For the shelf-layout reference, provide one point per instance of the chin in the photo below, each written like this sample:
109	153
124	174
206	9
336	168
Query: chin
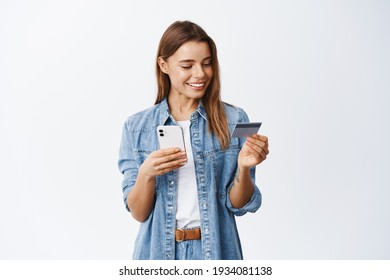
196	96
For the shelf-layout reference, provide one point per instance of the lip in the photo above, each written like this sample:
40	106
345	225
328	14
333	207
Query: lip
197	85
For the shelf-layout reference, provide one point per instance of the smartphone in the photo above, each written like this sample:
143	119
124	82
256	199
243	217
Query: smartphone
245	129
170	136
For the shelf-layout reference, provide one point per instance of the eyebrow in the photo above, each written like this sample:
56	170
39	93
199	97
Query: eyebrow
191	60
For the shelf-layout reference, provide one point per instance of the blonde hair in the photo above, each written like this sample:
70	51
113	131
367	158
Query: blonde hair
173	38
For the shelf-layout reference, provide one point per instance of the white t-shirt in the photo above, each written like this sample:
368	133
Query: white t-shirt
187	215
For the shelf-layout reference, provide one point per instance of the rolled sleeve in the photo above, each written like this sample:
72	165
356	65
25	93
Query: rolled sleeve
254	203
126	164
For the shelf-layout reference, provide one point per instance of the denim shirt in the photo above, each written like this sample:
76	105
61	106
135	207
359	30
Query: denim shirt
215	170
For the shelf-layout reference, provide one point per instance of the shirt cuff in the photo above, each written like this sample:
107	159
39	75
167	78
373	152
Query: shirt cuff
252	206
127	185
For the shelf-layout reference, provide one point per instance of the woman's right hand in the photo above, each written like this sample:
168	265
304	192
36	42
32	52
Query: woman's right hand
163	161
141	198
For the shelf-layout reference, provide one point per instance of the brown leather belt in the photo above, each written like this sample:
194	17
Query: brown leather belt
187	234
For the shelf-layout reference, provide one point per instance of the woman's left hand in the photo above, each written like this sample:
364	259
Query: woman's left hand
254	151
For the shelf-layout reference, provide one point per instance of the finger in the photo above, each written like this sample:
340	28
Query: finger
166	152
262	145
262	138
263	154
157	161
175	156
169	166
257	151
253	149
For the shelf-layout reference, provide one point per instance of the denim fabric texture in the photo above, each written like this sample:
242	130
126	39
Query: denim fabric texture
215	170
189	250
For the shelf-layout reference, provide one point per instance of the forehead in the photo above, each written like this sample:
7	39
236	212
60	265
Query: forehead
192	50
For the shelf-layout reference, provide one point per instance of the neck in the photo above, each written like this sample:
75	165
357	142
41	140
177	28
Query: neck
181	108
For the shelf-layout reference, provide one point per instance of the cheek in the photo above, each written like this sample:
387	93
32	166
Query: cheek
182	77
209	72
178	76
174	79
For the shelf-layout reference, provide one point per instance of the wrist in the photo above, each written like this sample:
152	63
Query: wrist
145	176
242	168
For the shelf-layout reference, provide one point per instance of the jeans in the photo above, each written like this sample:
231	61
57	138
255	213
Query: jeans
188	250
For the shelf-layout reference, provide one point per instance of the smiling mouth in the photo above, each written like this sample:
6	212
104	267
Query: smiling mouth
196	85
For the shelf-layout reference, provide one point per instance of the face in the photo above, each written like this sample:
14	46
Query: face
189	70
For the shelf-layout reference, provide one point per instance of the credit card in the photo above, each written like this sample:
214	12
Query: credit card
245	129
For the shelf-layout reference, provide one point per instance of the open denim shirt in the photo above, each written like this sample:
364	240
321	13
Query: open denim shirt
215	170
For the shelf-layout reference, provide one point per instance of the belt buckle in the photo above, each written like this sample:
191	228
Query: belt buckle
184	235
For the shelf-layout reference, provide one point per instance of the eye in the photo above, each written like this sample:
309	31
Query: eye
207	63
186	66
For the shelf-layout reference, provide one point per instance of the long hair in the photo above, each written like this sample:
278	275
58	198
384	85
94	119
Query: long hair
173	38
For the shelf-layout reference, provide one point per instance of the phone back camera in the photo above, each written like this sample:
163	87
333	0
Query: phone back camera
161	134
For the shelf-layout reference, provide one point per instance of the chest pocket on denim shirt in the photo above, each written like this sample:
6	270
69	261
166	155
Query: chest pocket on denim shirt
224	164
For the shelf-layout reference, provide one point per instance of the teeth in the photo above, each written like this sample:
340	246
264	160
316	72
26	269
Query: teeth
197	85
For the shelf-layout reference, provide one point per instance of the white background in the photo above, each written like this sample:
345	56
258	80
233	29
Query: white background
316	73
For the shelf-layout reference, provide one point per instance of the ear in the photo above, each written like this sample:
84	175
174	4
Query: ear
163	65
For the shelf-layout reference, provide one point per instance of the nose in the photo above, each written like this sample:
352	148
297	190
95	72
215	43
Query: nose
198	71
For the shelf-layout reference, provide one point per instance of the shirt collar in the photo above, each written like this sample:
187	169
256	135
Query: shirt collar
164	111
165	114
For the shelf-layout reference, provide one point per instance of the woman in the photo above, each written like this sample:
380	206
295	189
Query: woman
186	201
